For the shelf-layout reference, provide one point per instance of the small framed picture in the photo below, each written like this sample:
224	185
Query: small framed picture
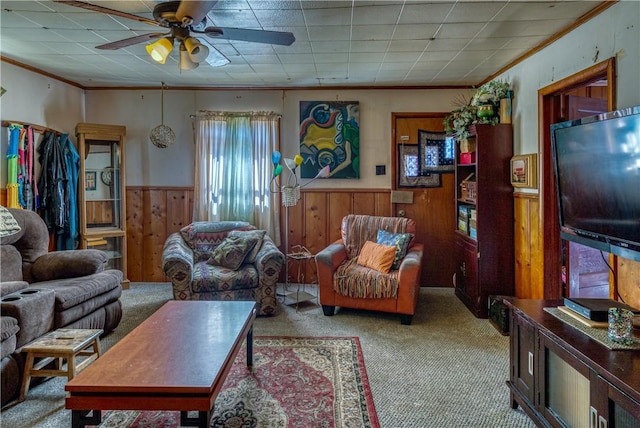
90	180
524	171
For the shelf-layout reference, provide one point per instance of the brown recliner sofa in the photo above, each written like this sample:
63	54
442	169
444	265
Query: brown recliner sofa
42	291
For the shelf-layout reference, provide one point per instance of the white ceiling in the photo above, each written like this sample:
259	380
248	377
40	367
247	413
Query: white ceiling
338	43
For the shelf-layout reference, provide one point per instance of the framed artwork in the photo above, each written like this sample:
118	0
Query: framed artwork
330	135
436	152
524	171
90	180
409	169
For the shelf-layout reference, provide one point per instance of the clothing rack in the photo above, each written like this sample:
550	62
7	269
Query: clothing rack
36	128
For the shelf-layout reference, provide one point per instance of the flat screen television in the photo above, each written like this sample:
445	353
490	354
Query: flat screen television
597	169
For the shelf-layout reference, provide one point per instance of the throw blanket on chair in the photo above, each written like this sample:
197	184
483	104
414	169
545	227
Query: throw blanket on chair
357	281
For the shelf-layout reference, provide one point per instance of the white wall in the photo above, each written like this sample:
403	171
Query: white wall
39	100
147	165
613	33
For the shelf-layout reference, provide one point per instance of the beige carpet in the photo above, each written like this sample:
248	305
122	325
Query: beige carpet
447	369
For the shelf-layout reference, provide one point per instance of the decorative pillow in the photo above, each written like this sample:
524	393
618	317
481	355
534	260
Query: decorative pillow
259	237
377	256
204	236
232	251
8	224
399	240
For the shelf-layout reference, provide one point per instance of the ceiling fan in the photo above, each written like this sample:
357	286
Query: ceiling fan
184	18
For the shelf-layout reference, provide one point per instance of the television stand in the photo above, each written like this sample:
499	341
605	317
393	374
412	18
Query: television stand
551	361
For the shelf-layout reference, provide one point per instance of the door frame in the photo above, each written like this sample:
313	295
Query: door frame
547	111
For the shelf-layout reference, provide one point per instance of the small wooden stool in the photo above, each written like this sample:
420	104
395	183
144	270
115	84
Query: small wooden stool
57	346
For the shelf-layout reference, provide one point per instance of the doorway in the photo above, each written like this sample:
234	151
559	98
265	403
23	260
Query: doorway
433	208
584	93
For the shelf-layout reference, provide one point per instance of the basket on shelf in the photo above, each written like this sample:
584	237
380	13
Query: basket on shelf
468	189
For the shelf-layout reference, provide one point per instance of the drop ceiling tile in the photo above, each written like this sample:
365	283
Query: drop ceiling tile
408	45
465	12
415	32
372	32
330	47
362	46
461	31
429	13
234	18
296	58
326	17
366	57
376	14
317	33
284	18
531	11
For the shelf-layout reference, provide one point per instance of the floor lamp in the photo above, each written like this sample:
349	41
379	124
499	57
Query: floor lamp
290	192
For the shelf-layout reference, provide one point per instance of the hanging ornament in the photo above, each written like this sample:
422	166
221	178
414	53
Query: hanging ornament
162	136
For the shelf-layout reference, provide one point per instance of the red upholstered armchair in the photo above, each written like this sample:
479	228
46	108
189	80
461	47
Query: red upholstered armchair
344	282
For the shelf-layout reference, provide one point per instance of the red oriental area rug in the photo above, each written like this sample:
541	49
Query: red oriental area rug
295	382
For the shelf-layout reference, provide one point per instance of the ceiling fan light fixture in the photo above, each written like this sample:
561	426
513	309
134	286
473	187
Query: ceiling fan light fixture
196	50
160	49
185	62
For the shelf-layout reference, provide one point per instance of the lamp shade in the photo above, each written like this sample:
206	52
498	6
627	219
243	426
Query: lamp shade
197	51
160	49
185	60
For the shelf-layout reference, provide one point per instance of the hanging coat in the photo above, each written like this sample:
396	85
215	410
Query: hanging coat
68	238
52	183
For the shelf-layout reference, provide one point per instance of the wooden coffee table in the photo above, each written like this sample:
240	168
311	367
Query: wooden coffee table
177	359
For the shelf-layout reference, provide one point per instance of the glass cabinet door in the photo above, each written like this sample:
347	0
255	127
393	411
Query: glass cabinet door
102	192
102	184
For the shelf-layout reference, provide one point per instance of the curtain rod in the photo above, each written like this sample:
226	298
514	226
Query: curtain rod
209	113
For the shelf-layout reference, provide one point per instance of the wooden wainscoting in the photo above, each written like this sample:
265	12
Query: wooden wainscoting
153	213
528	248
529	256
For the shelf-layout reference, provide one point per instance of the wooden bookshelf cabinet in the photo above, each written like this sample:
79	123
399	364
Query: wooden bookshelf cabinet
561	377
101	192
485	256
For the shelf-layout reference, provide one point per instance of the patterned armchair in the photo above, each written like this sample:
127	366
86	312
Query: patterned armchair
216	261
344	282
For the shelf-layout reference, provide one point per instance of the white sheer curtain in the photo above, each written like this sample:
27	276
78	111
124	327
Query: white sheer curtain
233	169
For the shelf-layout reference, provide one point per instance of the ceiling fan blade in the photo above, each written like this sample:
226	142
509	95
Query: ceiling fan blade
247	35
131	41
193	12
101	9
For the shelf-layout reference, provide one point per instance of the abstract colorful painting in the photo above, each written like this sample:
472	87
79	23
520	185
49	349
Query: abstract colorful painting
330	135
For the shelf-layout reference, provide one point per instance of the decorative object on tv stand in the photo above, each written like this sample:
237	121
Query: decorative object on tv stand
162	136
290	189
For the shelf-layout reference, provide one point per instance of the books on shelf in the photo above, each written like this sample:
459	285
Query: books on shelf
595	309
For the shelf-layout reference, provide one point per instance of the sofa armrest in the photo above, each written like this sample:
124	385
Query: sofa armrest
332	256
269	254
327	262
68	264
177	264
409	280
9	287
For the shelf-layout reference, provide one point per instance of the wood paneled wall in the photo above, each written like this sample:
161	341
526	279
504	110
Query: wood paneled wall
529	255
528	247
153	213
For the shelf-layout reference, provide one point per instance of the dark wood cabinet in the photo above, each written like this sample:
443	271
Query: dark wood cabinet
484	207
563	378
